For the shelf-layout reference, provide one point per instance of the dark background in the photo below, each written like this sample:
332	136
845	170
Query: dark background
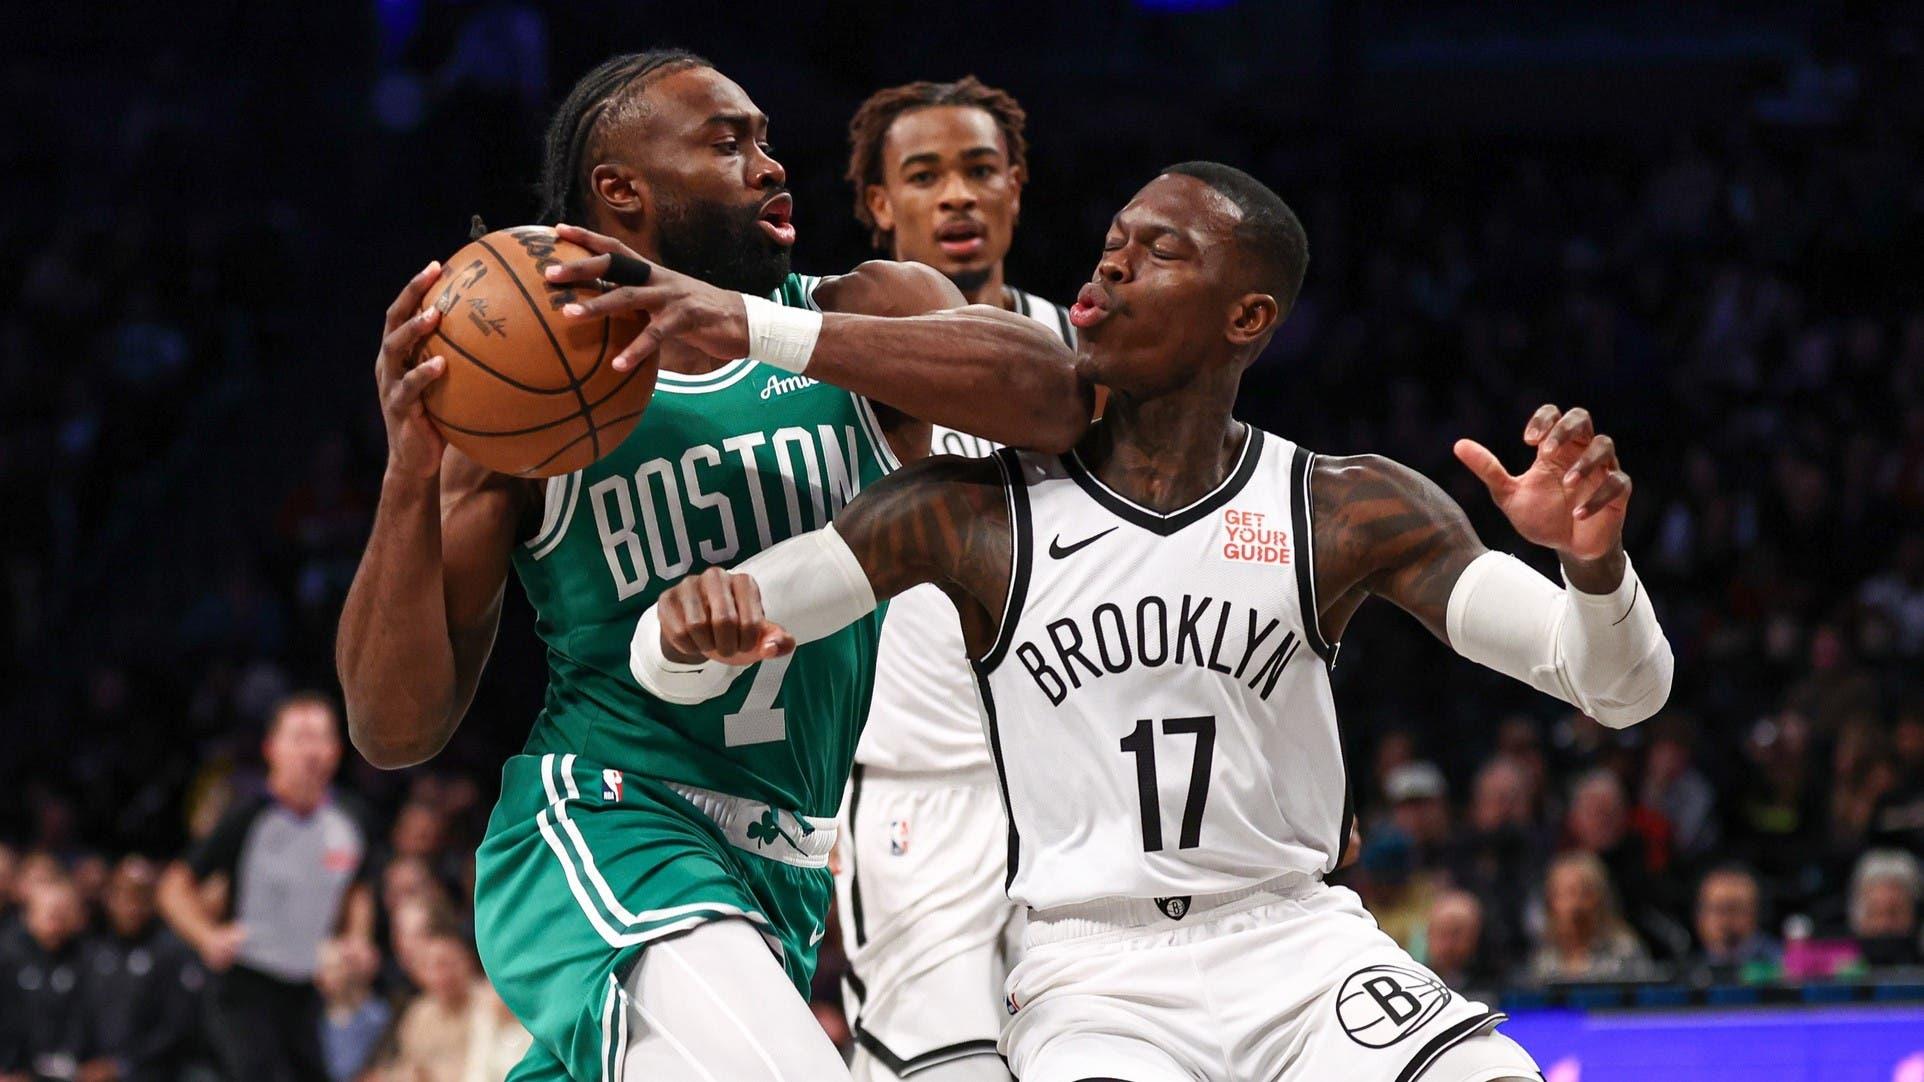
1700	221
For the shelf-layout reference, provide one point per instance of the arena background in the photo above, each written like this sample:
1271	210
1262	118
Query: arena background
1701	221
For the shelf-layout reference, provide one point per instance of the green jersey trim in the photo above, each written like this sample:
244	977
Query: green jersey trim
558	509
725	376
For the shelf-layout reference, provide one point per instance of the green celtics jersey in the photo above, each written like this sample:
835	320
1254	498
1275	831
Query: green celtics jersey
722	466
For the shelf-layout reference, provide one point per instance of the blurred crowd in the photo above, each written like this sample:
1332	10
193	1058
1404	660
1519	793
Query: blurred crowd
189	455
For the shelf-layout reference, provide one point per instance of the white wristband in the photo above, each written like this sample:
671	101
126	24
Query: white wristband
779	335
674	681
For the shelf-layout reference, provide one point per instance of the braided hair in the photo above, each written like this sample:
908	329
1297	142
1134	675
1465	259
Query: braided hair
601	100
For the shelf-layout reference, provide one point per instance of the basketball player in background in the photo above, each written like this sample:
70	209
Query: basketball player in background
1152	617
653	882
938	170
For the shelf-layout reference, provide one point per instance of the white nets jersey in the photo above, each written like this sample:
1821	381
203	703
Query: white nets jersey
1157	700
923	715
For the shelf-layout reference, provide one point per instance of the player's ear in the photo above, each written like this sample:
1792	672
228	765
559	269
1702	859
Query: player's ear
1018	177
622	191
879	207
1252	316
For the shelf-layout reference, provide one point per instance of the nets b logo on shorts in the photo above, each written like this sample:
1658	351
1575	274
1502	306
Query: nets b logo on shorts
1174	908
1380	1005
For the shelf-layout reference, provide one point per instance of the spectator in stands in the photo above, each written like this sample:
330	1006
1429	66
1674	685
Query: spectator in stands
47	1031
1729	944
1898	820
1862	775
1885	889
1420	810
294	859
1453	944
354	1019
457	1030
145	987
1600	822
1585	938
1780	818
1500	852
1675	789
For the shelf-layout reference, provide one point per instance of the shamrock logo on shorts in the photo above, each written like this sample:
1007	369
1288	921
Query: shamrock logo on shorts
766	831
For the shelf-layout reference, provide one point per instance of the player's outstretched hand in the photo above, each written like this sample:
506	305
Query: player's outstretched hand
674	305
717	616
414	445
1573	497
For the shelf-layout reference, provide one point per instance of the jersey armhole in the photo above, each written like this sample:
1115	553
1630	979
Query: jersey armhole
1301	466
1022	548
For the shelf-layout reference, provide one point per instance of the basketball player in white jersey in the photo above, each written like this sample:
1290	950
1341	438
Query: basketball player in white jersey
1151	618
938	170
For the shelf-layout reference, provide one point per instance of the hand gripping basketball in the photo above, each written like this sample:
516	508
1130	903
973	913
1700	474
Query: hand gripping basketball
414	445
675	306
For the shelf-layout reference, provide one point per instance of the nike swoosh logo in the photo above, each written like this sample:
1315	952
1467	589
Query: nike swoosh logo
1060	551
816	936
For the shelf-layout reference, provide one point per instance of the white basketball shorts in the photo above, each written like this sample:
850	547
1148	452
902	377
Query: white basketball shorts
1292	981
928	930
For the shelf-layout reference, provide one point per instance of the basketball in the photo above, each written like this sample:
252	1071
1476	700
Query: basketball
528	391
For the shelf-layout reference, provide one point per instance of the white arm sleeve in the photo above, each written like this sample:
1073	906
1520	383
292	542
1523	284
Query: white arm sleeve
812	585
1603	653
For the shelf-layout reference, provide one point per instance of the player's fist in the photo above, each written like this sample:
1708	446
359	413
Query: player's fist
414	445
1573	497
717	616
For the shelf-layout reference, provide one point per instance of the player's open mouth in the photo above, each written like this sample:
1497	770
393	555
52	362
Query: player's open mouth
775	219
1091	307
962	239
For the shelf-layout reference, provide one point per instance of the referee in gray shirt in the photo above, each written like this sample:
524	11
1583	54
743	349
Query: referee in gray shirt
294	861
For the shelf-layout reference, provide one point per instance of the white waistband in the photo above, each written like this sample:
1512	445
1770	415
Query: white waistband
965	778
764	830
1124	914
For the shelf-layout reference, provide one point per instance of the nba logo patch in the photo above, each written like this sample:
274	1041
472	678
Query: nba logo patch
611	786
1380	1005
898	837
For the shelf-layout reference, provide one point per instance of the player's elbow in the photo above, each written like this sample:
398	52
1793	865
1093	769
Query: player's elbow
1061	406
1641	692
391	742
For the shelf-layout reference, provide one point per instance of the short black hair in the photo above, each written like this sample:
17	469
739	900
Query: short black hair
597	100
1269	229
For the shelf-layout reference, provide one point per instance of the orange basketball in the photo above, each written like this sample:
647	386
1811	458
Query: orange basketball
528	391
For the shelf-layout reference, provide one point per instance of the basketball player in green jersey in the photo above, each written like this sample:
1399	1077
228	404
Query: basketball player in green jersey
653	881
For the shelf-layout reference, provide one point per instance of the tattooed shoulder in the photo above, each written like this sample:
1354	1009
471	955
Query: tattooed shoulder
1382	528
943	520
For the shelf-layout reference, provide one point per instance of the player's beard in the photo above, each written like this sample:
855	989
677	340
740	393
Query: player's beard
722	245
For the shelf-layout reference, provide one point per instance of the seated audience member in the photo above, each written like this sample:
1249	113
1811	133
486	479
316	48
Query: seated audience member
1453	944
457	1030
1419	808
46	1030
353	1018
1728	940
1883	907
1501	850
1675	789
1898	820
1585	938
145	990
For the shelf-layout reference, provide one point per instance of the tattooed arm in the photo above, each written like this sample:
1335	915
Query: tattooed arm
1382	528
943	520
